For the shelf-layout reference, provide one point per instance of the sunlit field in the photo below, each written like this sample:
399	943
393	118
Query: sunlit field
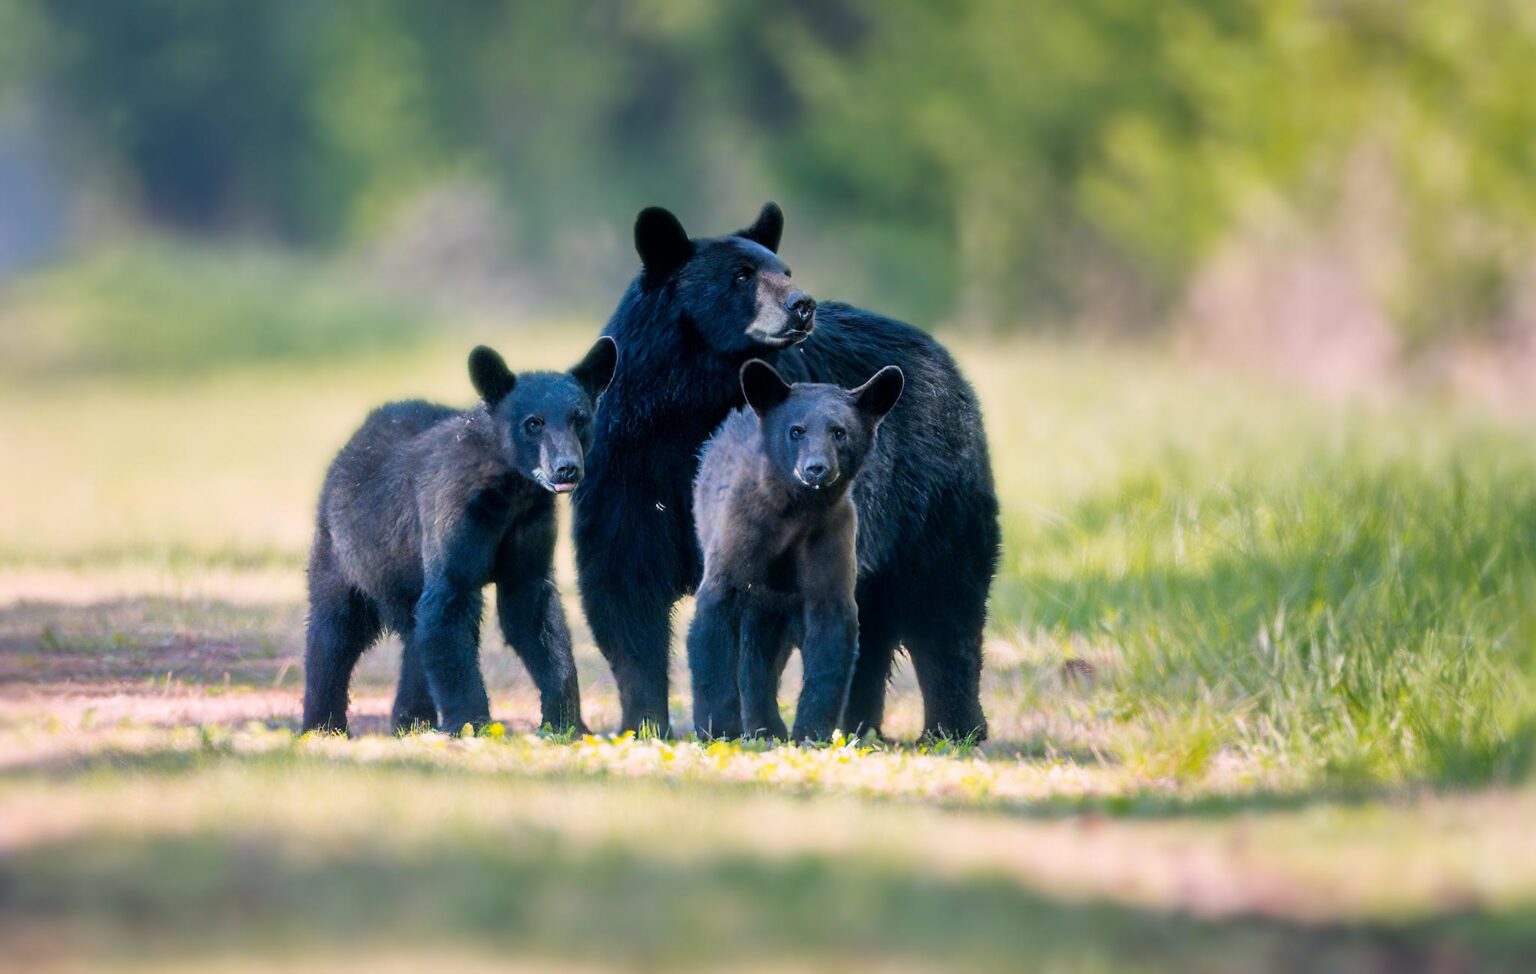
1259	683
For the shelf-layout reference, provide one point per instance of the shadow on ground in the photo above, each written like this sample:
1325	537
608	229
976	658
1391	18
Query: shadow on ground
205	895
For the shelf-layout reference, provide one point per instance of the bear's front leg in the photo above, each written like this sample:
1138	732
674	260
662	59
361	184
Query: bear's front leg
827	654
448	637
413	707
631	562
714	640
534	625
764	650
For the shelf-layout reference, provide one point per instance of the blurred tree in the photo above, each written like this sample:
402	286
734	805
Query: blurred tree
1066	161
992	121
203	106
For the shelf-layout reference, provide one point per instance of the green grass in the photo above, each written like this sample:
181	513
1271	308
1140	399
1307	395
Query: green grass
1353	607
1249	649
181	848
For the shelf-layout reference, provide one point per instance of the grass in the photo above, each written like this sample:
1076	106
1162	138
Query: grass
1260	681
1339	587
177	846
1361	610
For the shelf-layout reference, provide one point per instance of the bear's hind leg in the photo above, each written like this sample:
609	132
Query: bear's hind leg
946	655
342	623
632	624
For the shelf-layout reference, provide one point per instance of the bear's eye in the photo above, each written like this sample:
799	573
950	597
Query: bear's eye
743	275
533	425
839	434
795	432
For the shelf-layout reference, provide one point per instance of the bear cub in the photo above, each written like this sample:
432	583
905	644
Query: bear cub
423	508
776	521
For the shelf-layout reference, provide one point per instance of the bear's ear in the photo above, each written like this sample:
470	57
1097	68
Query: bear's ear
661	241
878	396
763	386
767	229
492	379
594	372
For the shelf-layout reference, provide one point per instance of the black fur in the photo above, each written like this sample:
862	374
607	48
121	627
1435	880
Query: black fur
778	529
424	507
924	575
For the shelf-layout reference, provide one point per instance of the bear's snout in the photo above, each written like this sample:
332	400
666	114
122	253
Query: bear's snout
785	315
802	310
817	474
564	475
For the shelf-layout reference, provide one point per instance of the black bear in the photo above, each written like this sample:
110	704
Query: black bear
779	529
423	508
699	309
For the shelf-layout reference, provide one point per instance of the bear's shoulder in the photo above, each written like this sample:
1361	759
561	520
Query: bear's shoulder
385	437
461	446
735	442
408	417
728	462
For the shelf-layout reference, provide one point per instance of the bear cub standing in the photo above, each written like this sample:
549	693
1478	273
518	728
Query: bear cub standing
423	508
777	525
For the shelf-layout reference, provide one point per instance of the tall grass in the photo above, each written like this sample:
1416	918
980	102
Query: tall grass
1353	597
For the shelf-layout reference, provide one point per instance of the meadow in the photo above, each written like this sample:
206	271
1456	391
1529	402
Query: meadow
1260	682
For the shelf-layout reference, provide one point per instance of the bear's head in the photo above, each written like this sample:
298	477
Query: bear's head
817	434
734	289
544	419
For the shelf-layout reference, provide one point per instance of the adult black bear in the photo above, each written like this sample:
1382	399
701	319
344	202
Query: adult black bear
698	310
423	508
776	506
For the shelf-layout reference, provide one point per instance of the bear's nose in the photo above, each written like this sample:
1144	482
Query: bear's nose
802	307
567	472
816	474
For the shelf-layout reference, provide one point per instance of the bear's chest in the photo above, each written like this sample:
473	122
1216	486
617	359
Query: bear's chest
781	573
502	508
773	564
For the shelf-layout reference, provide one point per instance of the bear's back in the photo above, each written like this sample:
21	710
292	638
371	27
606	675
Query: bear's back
381	442
931	449
368	504
727	458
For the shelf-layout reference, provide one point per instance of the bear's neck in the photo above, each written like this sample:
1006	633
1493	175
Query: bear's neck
667	375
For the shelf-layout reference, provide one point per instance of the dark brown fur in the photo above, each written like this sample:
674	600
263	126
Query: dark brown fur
777	524
423	508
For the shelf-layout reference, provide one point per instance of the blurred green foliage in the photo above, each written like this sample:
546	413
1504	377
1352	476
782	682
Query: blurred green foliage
1000	161
160	309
